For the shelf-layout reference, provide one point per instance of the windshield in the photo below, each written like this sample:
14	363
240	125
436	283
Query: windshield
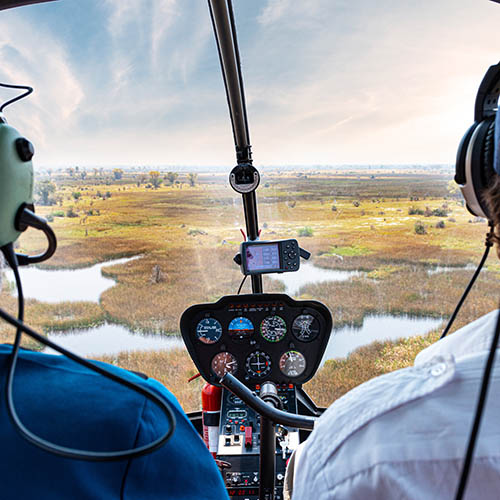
355	114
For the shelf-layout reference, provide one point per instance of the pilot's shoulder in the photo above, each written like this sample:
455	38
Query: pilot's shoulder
373	399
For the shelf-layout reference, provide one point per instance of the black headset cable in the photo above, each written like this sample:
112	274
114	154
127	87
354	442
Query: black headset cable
479	413
63	451
488	243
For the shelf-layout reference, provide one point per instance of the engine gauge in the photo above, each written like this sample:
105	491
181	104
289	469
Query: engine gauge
240	328
208	331
273	328
305	327
258	364
292	363
224	362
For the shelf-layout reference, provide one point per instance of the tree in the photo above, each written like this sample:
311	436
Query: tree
44	189
155	179
172	176
117	173
192	179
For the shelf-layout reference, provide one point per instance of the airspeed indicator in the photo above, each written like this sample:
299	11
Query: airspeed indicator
208	331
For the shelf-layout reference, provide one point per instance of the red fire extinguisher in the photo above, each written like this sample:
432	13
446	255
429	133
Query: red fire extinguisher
211	396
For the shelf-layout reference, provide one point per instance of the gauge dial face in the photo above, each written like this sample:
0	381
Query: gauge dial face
258	364
292	364
224	362
208	331
305	327
273	328
240	328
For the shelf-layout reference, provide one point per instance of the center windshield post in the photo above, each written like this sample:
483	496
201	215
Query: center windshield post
244	177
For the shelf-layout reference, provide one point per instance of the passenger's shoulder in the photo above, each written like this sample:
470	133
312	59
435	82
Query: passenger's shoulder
375	398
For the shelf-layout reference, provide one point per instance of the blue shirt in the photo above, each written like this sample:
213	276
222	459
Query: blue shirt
69	405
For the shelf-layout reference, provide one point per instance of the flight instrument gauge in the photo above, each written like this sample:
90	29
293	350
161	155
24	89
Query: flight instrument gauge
240	328
273	328
258	364
292	364
305	327
224	362
208	331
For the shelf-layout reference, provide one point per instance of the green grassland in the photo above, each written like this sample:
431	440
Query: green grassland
350	220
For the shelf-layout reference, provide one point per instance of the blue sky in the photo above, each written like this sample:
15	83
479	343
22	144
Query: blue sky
327	81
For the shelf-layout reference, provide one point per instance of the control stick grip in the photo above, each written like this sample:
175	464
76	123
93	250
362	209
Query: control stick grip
231	383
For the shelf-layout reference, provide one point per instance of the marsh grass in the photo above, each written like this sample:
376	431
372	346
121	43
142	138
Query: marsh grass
376	235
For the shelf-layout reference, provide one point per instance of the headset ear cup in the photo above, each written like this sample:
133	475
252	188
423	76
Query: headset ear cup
479	172
460	177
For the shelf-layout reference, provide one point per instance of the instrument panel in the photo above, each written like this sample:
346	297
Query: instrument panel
257	337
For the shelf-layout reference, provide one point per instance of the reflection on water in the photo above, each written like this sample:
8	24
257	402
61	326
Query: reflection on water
310	274
111	339
68	284
381	327
447	269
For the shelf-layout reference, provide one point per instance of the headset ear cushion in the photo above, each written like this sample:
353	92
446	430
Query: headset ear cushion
460	177
482	171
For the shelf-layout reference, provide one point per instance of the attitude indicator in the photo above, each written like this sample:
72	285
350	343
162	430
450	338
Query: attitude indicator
240	328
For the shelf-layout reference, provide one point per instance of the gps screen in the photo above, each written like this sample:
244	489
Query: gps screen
263	257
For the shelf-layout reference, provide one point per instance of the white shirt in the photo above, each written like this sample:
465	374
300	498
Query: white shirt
404	435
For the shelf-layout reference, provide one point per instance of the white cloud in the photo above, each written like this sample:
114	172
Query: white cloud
273	11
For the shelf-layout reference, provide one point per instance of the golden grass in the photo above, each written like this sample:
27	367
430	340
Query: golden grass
377	236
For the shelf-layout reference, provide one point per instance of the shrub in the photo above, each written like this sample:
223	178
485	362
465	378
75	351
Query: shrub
334	208
50	218
440	224
58	213
356	203
71	213
305	231
415	211
420	228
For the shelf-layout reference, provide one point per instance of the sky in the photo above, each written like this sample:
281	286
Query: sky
138	82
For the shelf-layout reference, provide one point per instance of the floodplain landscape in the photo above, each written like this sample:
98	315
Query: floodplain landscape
404	230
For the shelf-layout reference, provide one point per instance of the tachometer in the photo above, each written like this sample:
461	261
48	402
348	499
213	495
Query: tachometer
305	327
258	364
223	363
292	363
240	328
273	328
208	331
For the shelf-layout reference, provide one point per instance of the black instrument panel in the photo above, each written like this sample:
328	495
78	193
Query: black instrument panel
257	337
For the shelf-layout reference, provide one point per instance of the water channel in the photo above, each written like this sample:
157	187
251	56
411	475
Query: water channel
72	285
88	284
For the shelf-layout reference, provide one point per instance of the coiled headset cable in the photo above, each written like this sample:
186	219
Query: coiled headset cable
63	451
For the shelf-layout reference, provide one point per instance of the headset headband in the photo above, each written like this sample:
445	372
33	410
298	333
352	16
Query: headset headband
487	95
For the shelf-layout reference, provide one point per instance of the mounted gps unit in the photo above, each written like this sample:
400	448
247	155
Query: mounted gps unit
280	256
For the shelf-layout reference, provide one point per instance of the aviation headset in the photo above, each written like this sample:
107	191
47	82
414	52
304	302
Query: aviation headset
477	164
16	215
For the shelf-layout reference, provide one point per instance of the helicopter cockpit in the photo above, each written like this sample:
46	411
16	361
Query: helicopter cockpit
255	356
